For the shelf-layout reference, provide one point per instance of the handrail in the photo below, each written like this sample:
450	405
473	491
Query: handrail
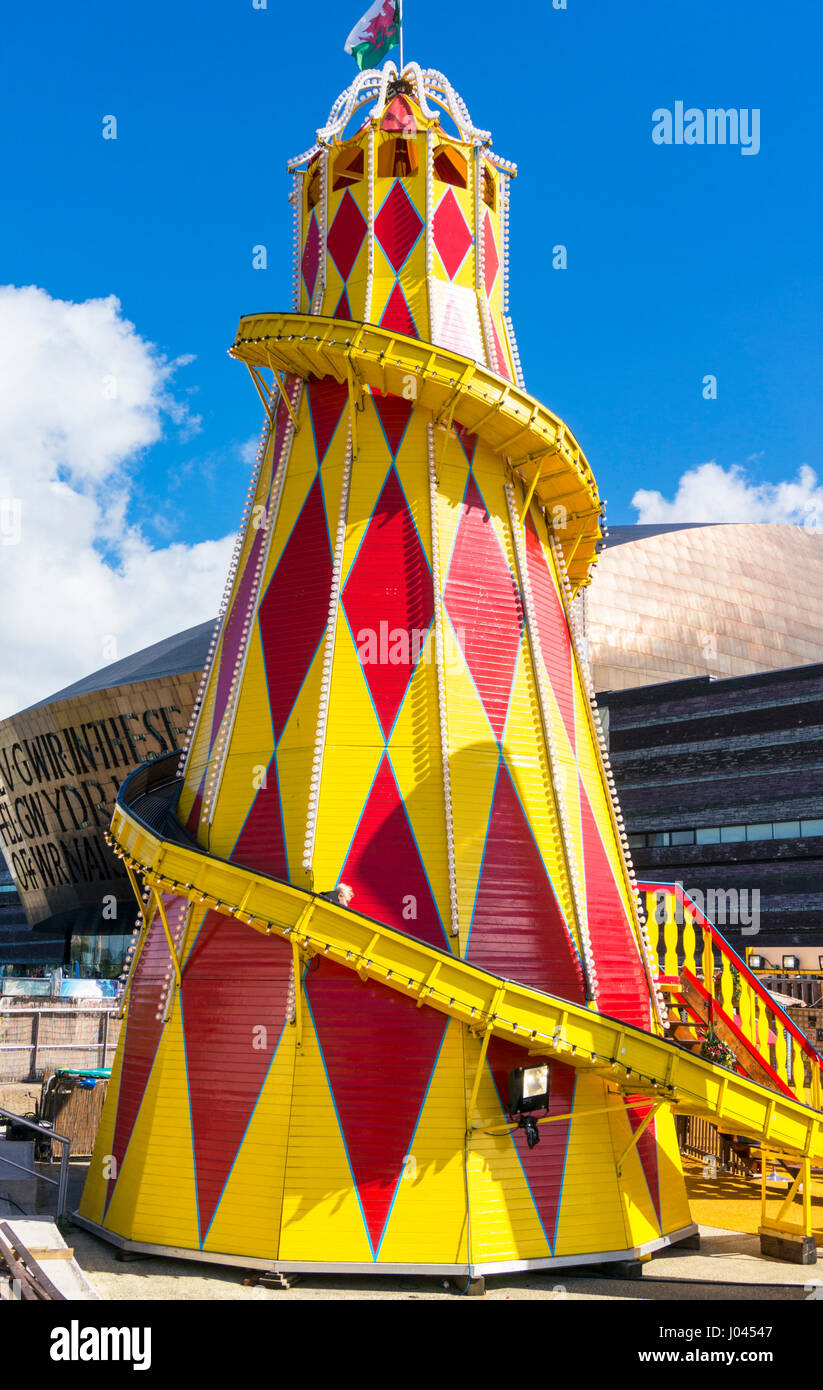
758	1009
61	1183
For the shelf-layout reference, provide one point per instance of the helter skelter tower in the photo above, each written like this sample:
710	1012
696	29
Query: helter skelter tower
393	700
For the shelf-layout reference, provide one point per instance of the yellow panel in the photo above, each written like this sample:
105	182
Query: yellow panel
295	752
354	747
155	1197
248	1217
641	1218
412	467
331	479
427	1223
591	1213
526	761
368	476
322	1219
413	283
198	753
504	1220
301	474
452	475
93	1201
250	752
416	759
473	762
195	922
674	1205
592	778
567	784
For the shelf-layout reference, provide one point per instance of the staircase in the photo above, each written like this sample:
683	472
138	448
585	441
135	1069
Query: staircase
713	995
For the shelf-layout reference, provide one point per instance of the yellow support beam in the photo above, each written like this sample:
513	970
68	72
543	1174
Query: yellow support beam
637	1136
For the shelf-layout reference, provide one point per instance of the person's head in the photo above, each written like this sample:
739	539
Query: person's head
344	894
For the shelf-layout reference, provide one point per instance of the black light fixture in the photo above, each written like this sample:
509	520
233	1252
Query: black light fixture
791	962
757	962
528	1091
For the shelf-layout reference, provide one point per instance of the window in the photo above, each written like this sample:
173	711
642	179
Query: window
732	834
811	827
450	166
682	837
348	168
786	829
489	190
637	841
708	836
658	838
759	832
397	159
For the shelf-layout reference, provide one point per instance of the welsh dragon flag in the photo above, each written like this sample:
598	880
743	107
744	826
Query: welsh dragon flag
375	34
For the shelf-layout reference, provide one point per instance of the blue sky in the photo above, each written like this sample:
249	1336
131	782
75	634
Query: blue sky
682	261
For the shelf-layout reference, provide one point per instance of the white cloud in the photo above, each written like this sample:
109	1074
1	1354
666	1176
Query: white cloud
712	493
82	396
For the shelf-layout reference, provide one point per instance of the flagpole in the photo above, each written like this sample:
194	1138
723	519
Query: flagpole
400	18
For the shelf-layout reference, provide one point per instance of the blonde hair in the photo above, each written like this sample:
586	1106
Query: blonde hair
345	889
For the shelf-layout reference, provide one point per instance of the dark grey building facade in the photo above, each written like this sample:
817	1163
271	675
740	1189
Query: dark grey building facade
721	786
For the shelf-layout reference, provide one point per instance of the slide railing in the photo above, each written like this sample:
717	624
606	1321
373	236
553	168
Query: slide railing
635	1061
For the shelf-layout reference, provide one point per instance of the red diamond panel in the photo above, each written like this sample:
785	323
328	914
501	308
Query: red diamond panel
623	991
343	310
501	365
646	1149
235	984
517	927
397	315
468	442
483	603
384	868
261	843
327	401
394	413
346	235
452	236
388	601
143	1029
311	256
397	226
380	1051
295	608
491	260
399	118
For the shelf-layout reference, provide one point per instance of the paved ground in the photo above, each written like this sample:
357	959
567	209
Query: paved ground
728	1268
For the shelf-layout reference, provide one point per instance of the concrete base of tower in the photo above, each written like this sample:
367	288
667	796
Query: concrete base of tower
638	1253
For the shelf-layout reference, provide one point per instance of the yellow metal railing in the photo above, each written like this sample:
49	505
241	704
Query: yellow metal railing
692	950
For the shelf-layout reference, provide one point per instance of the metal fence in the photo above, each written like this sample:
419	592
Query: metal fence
37	1041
